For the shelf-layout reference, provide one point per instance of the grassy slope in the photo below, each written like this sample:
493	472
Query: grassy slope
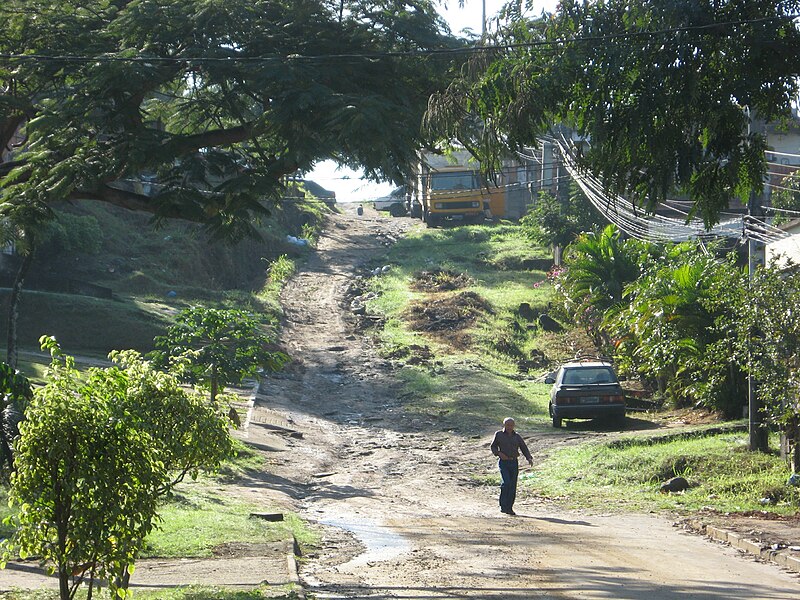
724	476
141	263
206	513
477	385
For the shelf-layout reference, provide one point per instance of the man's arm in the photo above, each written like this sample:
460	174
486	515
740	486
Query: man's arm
524	448
495	446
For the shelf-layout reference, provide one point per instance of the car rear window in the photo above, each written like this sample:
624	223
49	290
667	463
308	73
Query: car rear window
588	375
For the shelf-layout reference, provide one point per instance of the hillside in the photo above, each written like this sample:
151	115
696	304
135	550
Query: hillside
149	271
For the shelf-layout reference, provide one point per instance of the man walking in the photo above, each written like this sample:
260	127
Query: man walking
506	446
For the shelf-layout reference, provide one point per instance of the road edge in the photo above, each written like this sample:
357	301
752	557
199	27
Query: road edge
781	557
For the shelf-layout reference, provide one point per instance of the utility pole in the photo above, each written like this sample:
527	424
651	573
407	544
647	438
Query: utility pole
756	257
483	20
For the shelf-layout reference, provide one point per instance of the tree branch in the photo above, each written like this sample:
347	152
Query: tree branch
211	138
125	199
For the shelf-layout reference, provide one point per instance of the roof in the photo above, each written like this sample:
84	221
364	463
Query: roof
586	363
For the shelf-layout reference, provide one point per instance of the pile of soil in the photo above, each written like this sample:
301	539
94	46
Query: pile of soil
452	313
440	280
414	354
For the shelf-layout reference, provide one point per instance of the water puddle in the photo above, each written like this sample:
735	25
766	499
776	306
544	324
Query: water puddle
381	542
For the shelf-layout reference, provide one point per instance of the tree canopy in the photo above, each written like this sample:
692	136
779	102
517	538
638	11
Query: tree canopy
197	108
662	91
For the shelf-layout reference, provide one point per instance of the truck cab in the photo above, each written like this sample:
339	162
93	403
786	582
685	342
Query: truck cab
450	188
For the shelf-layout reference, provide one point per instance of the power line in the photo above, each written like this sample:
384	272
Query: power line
466	50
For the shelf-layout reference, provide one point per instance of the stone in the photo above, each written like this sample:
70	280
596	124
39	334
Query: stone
549	324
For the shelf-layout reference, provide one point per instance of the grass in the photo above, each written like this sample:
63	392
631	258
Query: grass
724	476
199	519
502	264
155	272
465	399
205	513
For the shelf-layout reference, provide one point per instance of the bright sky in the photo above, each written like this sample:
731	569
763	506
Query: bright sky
347	184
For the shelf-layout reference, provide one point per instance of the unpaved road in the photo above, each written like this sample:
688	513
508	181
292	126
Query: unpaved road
401	518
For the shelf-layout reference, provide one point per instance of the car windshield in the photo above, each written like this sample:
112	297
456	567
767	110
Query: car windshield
588	375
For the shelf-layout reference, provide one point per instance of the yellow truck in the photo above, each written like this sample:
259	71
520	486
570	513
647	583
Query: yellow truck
449	187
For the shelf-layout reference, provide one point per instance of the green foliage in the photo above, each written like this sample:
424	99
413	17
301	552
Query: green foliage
554	222
787	197
15	394
763	330
198	109
71	233
654	88
597	267
84	481
95	456
215	347
668	330
280	269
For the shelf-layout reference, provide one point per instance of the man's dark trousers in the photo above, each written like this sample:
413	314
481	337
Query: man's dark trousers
509	470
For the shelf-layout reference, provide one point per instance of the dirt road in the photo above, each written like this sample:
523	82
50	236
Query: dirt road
401	517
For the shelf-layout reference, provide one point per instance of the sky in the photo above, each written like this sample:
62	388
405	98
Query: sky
348	184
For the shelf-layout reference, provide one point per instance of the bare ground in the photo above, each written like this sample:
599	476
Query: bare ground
401	516
392	491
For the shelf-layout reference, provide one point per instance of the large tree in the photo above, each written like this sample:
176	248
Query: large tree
662	91
197	109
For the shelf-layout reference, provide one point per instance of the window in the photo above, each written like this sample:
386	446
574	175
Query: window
455	180
588	376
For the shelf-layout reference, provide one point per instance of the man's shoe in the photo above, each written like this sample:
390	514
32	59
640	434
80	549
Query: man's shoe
507	511
511	512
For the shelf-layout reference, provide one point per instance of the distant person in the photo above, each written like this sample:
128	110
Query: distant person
360	210
506	446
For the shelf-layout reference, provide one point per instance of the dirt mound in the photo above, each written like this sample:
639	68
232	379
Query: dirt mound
414	354
440	280
452	313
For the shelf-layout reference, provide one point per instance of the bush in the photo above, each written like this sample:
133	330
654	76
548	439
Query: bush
71	233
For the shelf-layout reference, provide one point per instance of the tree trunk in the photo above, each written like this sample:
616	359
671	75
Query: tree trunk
13	307
63	583
214	388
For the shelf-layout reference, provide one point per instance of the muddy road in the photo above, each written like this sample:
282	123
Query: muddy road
392	491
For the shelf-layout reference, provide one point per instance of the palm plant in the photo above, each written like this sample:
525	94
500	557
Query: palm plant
597	267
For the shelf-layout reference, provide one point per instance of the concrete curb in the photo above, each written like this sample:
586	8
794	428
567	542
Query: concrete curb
251	403
291	563
784	558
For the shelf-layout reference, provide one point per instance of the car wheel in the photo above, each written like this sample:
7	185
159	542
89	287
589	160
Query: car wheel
397	210
556	422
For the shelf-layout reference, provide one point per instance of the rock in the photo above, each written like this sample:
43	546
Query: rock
548	323
527	312
676	484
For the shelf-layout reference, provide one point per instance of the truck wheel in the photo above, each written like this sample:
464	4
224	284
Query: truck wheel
415	210
431	220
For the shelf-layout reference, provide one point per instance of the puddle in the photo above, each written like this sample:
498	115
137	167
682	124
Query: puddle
381	542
